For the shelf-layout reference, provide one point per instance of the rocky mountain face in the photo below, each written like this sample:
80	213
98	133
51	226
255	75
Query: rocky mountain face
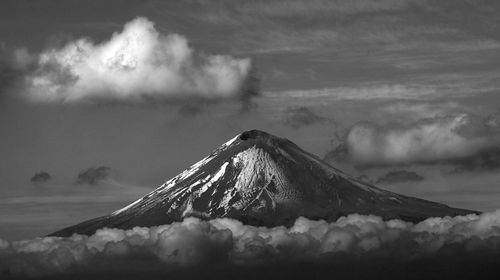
263	180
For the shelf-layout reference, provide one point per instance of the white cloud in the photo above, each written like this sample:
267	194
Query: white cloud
134	64
229	241
427	140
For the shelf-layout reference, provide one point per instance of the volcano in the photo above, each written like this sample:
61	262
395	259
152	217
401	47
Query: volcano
263	180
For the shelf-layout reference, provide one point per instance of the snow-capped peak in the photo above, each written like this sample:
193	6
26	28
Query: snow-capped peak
262	179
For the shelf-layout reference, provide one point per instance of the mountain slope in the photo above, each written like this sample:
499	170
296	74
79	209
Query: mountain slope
261	179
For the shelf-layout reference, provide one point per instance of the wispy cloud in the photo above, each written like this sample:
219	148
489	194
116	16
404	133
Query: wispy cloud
388	23
386	91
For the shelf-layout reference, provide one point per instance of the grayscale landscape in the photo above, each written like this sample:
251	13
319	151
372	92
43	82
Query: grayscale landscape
232	139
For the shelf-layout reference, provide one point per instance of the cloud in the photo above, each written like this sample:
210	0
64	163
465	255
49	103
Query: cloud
137	64
272	14
365	178
297	117
196	242
412	111
453	139
40	177
399	176
14	64
240	12
369	92
293	8
93	175
488	160
6	71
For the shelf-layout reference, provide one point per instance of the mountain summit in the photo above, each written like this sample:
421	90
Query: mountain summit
263	180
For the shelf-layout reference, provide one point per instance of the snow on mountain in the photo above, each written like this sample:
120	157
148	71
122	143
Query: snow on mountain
261	179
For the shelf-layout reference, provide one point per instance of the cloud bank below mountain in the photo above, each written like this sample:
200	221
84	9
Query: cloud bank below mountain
196	242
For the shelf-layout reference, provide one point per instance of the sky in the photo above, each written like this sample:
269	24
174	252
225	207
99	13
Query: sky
102	101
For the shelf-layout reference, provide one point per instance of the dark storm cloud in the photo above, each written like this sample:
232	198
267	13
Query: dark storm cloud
195	242
41	177
93	175
297	117
463	140
399	176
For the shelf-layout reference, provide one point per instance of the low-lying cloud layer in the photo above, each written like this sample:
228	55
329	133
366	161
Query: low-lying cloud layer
137	64
452	139
193	242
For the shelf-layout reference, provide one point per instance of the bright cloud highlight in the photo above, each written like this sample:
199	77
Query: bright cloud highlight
452	139
137	63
